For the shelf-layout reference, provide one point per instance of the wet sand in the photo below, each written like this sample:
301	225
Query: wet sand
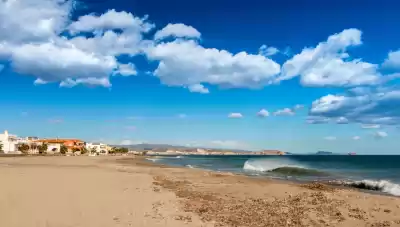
115	191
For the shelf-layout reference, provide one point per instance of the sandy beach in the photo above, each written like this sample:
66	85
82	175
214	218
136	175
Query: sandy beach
120	191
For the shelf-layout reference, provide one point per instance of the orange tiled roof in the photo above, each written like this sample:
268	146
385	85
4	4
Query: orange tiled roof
58	140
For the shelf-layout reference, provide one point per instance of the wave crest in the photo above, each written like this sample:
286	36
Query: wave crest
381	185
269	164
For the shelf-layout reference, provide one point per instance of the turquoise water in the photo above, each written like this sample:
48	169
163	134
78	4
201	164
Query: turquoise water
371	172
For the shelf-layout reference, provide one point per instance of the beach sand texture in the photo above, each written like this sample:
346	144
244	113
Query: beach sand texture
115	191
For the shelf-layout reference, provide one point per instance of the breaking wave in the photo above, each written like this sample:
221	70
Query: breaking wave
280	166
381	186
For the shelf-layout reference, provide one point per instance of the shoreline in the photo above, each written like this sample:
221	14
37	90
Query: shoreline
130	191
356	185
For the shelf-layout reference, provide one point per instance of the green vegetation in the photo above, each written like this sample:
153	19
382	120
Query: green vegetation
84	150
42	148
24	148
63	149
1	148
118	150
93	150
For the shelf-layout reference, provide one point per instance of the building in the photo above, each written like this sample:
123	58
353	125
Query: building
55	144
9	142
101	148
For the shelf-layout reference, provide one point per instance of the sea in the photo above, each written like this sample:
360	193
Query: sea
378	173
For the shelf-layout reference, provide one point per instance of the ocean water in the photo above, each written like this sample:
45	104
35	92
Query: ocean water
370	172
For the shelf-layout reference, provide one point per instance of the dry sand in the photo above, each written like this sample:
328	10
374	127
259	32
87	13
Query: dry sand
115	191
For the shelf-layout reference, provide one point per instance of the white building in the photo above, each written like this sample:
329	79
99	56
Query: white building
9	142
98	147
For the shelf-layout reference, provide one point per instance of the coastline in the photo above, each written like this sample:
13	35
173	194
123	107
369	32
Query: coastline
130	191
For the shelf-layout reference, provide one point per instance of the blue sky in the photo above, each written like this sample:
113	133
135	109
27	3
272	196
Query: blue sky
296	76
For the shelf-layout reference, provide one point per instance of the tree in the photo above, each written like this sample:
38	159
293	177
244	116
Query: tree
63	149
24	148
42	148
33	146
84	150
1	148
93	150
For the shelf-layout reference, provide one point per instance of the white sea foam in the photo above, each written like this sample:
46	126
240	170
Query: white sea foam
152	159
190	166
268	164
381	185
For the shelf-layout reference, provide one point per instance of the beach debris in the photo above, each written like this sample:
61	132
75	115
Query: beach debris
291	210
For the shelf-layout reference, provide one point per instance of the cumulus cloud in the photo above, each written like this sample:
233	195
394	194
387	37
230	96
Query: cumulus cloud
327	64
263	113
235	115
268	51
381	108
126	69
393	60
38	48
331	138
198	88
380	134
284	112
108	21
177	31
185	62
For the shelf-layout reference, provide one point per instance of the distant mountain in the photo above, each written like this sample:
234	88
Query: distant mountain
164	147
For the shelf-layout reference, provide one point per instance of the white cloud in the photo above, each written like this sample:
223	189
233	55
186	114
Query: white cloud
198	88
370	126
89	81
327	63
235	115
267	51
108	21
342	120
23	21
126	69
381	108
393	60
380	134
331	138
185	62
263	113
284	112
178	31
356	138
51	62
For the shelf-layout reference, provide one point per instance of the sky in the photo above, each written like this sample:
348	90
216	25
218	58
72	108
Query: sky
298	76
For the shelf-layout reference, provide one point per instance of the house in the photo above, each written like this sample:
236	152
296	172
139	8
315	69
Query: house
55	144
98	147
9	142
